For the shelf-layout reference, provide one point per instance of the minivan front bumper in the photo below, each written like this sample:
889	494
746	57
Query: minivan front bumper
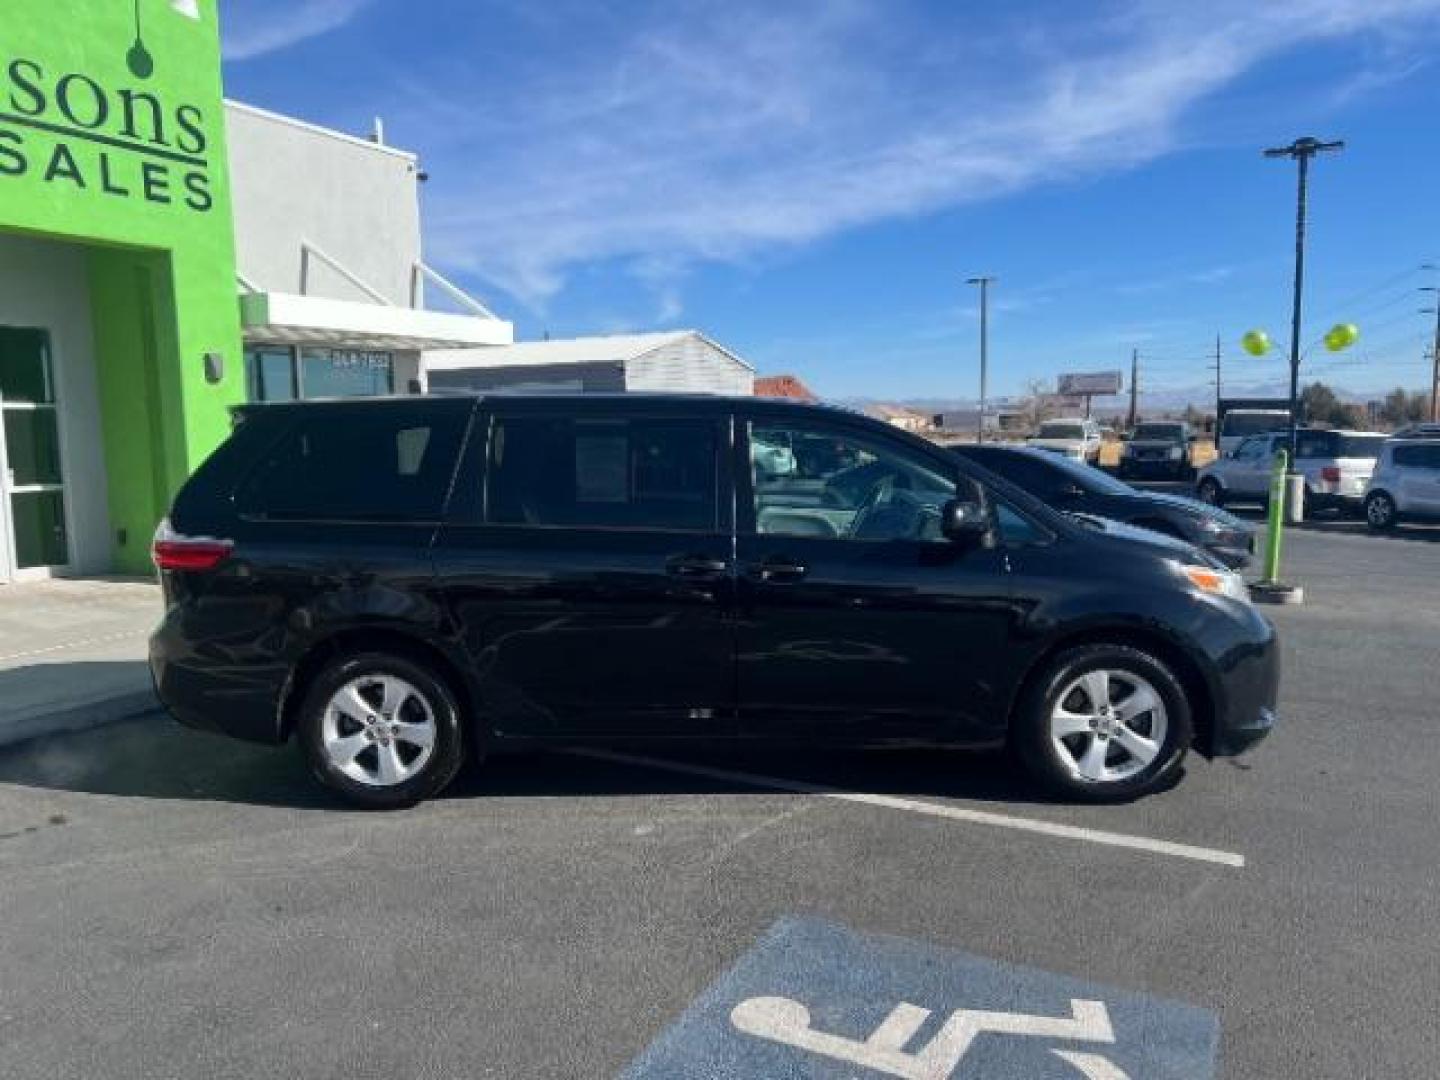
1247	694
1240	736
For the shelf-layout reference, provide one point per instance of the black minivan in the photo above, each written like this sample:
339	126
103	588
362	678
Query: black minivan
400	583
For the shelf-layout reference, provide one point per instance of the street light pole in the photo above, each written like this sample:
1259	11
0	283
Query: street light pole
984	282
1301	150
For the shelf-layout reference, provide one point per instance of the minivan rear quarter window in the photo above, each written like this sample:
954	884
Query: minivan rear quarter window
611	472
352	464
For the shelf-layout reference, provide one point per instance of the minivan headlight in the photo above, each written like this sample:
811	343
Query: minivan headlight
1216	582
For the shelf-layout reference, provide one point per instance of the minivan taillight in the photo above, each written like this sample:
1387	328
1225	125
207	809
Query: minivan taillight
176	551
1330	474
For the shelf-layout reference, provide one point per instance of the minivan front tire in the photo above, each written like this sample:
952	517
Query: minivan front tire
1103	722
383	731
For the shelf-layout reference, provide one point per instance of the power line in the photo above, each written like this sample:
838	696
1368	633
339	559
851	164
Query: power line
1387	283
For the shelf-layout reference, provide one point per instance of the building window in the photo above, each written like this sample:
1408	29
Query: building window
328	373
277	373
270	374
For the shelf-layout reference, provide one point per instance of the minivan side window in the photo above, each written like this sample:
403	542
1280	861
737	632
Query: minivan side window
809	480
375	463
611	472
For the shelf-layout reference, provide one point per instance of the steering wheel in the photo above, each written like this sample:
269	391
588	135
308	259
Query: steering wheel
873	498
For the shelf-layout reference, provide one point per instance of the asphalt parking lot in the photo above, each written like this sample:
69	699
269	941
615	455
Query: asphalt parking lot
178	905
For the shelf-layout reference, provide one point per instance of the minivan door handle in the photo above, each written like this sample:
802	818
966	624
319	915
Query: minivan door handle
696	567
780	570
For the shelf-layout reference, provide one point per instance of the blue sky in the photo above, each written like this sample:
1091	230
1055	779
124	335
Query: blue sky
812	182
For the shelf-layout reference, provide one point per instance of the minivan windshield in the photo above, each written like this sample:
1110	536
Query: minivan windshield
1062	431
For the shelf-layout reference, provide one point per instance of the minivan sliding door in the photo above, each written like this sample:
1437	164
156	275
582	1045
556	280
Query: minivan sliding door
587	566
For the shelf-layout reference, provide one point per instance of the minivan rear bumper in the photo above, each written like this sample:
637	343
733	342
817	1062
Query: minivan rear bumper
203	689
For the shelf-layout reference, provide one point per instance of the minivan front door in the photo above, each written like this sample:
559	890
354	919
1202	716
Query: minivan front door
587	568
855	618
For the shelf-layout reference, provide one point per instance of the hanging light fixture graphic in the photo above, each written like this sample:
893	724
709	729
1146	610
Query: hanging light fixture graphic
138	59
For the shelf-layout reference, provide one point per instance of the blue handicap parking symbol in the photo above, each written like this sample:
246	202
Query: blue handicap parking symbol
813	999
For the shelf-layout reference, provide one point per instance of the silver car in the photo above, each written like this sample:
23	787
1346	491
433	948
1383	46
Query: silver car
1336	466
1405	484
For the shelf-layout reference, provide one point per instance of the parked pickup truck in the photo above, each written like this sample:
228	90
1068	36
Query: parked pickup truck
1078	439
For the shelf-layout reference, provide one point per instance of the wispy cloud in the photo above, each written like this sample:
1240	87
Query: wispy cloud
1212	275
254	28
684	132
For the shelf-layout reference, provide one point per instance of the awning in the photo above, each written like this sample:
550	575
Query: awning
287	319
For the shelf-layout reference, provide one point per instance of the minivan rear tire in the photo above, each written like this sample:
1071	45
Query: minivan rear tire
423	732
1057	698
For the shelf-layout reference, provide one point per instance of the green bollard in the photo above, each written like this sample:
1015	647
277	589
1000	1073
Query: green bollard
1269	590
1275	517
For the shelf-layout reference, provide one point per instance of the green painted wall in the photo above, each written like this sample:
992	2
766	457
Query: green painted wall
113	135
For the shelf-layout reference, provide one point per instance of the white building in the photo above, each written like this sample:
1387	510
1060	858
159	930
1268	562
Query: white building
684	361
333	281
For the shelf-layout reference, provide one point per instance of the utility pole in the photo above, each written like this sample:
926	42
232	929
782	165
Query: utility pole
1217	390
1434	356
984	282
1134	387
1300	151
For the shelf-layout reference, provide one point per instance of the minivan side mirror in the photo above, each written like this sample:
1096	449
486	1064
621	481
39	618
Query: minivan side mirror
965	522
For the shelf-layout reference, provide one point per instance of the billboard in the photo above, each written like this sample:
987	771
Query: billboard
1090	384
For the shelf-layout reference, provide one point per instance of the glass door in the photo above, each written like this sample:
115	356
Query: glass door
32	493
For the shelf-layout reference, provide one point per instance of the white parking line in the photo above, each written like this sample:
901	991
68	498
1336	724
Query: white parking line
941	810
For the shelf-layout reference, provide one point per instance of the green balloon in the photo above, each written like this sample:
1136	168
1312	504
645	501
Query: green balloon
1341	336
1256	342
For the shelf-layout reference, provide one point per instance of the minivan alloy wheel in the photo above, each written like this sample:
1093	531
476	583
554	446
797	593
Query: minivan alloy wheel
1108	725
378	730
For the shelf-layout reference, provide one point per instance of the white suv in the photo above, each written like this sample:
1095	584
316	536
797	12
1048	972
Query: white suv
1406	483
1336	466
1078	439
